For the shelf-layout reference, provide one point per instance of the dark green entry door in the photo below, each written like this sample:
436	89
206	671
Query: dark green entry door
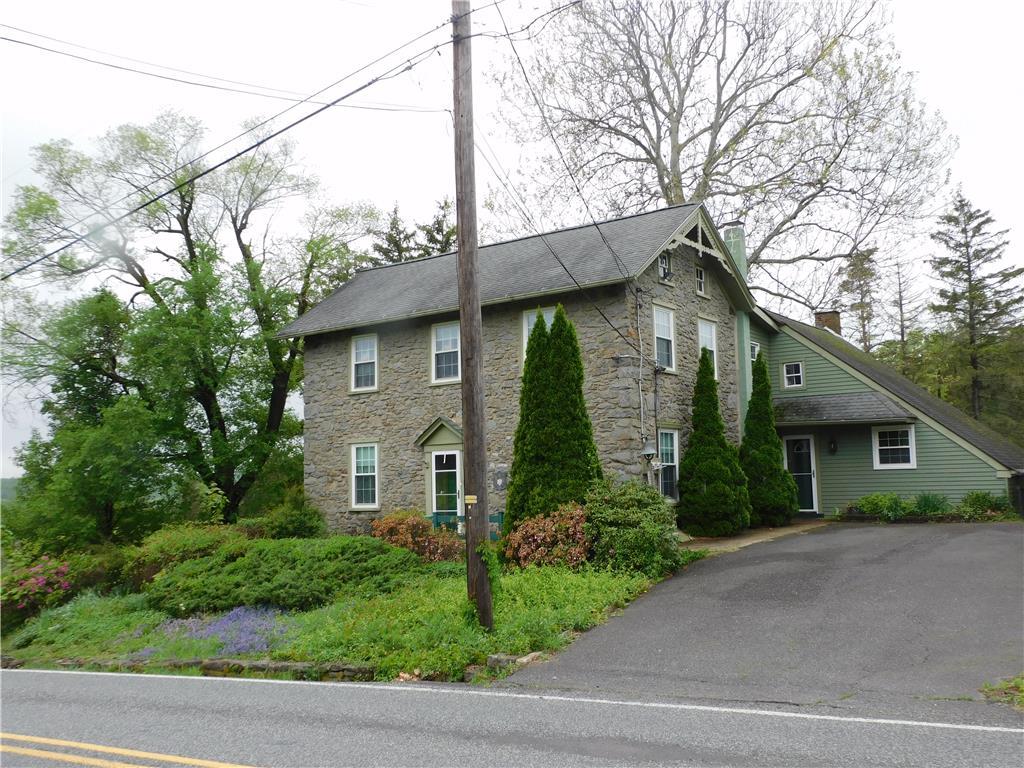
446	487
800	463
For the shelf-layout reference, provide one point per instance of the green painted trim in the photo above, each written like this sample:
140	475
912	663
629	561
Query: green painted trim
925	418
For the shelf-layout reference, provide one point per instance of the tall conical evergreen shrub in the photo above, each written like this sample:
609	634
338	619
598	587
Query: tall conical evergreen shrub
524	474
713	497
554	458
773	496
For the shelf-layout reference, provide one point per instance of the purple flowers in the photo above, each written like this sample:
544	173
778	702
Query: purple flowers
240	630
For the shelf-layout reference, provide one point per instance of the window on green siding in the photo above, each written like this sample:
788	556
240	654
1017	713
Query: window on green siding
792	375
894	447
755	348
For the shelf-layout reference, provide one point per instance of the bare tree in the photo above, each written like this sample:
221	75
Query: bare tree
795	117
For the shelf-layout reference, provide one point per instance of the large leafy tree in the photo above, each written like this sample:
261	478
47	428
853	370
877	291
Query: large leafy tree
795	117
978	301
713	496
203	284
773	492
858	288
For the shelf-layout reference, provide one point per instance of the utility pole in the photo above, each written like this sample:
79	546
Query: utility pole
474	471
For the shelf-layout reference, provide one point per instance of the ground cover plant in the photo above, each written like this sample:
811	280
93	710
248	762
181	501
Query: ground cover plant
974	506
1009	691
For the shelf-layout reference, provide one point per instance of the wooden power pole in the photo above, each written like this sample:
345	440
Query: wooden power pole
474	471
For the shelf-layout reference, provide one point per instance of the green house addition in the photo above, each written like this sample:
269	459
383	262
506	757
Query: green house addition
646	293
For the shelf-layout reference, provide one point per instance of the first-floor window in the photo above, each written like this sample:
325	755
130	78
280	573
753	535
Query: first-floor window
707	333
668	455
792	375
894	447
364	362
755	350
665	338
364	475
445	346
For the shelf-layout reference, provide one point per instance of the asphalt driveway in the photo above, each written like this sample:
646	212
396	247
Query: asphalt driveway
897	619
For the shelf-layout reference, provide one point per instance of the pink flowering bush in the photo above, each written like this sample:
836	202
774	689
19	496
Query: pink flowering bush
29	589
558	538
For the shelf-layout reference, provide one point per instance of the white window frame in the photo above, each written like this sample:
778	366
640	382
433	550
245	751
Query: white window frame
671	338
754	351
714	341
352	366
675	452
665	267
875	457
785	376
375	475
529	315
434	353
700	279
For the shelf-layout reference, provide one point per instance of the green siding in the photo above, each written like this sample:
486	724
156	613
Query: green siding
942	467
821	376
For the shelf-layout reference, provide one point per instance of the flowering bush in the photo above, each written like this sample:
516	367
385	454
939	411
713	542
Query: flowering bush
29	589
555	539
240	630
409	529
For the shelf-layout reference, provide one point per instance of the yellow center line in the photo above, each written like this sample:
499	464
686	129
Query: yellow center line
113	751
66	758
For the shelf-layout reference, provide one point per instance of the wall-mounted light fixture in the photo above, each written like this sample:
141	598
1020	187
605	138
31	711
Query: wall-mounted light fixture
649	450
833	446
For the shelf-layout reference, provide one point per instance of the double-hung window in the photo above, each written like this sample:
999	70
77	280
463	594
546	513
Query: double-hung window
894	447
364	363
699	275
792	375
530	320
665	267
668	455
444	364
665	338
707	335
755	350
365	476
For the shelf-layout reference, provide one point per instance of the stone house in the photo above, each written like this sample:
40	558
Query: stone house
645	292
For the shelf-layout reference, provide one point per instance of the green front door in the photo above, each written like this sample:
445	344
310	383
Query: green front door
800	463
446	487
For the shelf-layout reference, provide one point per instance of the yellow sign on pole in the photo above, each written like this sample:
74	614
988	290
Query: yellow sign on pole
470	499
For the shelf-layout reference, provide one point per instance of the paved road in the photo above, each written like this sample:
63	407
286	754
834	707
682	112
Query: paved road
896	621
266	723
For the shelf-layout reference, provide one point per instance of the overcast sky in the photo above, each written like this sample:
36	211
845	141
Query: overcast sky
966	57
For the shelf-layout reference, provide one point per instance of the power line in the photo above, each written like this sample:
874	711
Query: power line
572	176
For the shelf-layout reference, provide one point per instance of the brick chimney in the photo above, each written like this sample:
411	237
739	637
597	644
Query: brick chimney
829	320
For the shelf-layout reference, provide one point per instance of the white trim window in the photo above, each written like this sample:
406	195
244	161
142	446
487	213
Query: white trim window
530	320
894	447
707	338
365	476
665	338
444	360
665	267
364	363
698	274
668	455
755	350
792	375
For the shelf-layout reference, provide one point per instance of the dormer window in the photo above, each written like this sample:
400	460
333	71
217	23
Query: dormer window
665	267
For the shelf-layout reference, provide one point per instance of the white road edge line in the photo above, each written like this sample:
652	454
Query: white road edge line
426	688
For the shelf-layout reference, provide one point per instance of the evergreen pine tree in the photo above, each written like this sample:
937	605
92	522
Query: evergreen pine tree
525	467
396	243
773	495
713	497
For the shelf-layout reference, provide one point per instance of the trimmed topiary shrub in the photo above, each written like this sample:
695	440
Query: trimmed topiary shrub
772	489
631	527
558	538
554	458
412	530
713	497
293	574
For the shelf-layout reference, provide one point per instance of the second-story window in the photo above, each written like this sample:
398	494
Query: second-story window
665	338
792	375
699	277
530	320
445	358
665	267
707	335
364	363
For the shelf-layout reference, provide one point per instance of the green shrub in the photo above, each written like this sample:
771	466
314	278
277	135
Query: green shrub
175	544
982	505
884	506
412	530
558	538
293	574
931	505
773	494
295	520
631	527
713	496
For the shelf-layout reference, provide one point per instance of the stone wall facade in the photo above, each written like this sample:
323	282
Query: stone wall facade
406	403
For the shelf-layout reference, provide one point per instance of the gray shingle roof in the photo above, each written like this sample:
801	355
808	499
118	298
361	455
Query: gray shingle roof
510	270
1007	453
852	408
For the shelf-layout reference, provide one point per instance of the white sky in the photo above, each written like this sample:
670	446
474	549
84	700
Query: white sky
966	57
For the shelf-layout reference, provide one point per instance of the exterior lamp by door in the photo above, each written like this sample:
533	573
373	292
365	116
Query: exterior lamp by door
833	446
650	450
